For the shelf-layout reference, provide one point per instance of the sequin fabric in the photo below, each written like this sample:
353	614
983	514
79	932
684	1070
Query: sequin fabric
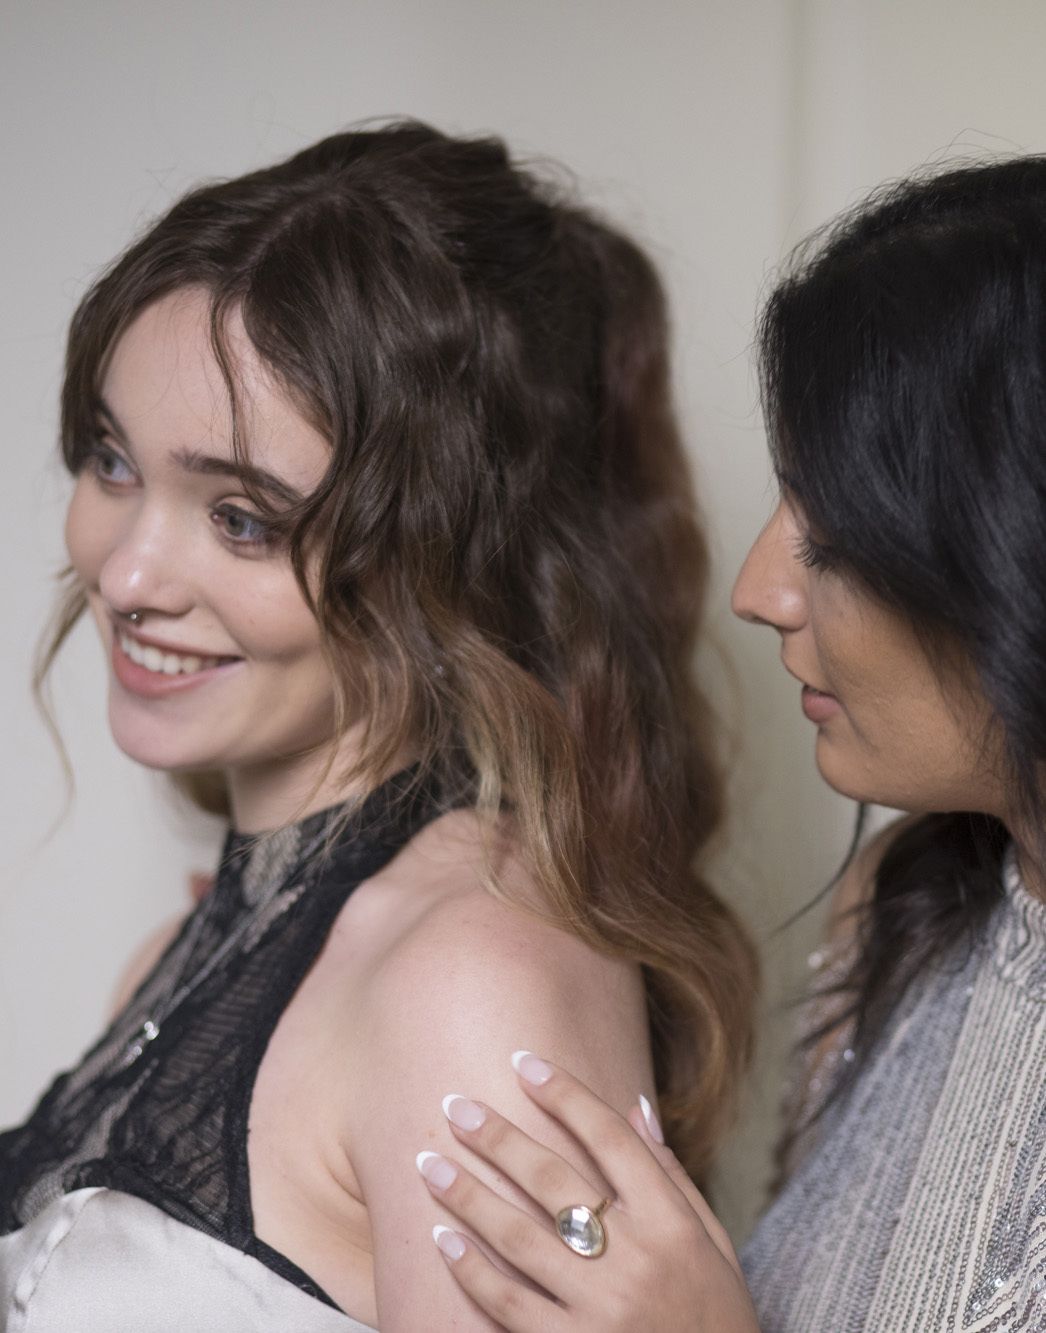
918	1202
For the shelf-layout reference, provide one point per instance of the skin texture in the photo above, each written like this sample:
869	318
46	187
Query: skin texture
427	981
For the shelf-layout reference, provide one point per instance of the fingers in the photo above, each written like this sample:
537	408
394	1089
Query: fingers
528	1246
623	1157
537	1170
509	1304
644	1122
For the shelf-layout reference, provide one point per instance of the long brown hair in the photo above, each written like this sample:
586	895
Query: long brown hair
510	568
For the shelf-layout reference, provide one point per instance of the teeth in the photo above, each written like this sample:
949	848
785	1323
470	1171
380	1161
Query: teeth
165	664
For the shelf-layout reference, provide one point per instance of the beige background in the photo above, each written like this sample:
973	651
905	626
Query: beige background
718	130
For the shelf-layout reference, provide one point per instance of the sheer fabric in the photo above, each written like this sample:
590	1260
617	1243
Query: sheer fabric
164	1117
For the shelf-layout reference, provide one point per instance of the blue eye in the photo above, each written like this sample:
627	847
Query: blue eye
241	528
107	465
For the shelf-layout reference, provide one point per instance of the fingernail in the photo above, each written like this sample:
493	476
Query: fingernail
652	1122
440	1173
449	1242
463	1113
531	1068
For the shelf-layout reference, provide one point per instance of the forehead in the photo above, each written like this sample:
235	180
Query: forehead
164	384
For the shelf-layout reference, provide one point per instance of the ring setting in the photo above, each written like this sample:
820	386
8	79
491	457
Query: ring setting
581	1229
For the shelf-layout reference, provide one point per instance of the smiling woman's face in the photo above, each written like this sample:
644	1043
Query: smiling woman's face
222	664
891	729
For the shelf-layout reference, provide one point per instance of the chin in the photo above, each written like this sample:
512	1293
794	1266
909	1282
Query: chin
845	775
156	748
851	779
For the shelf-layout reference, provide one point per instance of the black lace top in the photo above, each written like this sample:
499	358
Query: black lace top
158	1108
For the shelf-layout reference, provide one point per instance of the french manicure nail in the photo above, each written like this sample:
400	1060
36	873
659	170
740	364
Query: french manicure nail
463	1113
449	1242
652	1122
440	1173
532	1069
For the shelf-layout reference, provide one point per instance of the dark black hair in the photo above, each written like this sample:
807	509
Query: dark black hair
904	378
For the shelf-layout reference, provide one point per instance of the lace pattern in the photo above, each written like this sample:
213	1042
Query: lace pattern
170	1127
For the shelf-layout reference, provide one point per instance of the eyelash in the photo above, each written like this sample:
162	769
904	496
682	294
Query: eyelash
100	455
815	556
266	533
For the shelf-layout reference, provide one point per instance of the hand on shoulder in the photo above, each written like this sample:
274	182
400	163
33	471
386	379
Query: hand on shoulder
470	980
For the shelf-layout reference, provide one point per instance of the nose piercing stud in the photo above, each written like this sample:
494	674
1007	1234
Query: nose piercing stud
134	617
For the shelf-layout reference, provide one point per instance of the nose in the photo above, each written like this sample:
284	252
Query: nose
143	570
771	588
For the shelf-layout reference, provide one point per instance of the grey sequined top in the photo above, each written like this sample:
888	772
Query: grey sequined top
921	1204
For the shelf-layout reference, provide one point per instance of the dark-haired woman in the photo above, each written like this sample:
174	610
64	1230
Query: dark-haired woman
383	519
904	368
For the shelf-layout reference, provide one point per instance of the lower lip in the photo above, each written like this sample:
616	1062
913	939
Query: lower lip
154	684
819	707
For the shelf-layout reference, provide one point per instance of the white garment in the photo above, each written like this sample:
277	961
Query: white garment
100	1261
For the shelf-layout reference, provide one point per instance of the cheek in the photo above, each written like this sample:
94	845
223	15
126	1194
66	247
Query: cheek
865	658
272	622
87	535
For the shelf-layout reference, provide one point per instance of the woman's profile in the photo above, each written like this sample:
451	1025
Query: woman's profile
904	372
383	518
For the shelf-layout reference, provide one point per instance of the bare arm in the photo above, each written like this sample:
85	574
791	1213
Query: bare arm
473	983
668	1264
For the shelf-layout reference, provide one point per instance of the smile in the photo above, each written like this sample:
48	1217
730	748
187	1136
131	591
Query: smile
153	671
165	663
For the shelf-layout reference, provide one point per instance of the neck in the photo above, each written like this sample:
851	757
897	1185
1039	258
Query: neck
267	796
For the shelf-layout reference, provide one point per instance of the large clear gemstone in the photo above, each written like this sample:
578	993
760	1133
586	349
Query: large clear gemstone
582	1230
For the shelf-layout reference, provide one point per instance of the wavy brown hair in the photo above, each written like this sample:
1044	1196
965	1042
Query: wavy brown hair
503	555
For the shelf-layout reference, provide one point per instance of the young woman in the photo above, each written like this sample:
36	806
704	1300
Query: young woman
904	365
382	516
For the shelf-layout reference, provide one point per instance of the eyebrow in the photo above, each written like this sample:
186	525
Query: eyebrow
209	465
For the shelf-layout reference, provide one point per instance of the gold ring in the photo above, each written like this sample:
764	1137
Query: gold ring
582	1230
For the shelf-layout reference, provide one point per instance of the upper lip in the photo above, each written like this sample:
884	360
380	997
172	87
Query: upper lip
179	650
805	683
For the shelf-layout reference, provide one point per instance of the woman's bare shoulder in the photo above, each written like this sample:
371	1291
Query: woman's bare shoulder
478	923
463	978
459	908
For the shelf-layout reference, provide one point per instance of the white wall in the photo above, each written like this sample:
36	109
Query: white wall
716	129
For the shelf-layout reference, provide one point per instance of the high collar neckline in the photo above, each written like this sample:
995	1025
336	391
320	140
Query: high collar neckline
256	865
